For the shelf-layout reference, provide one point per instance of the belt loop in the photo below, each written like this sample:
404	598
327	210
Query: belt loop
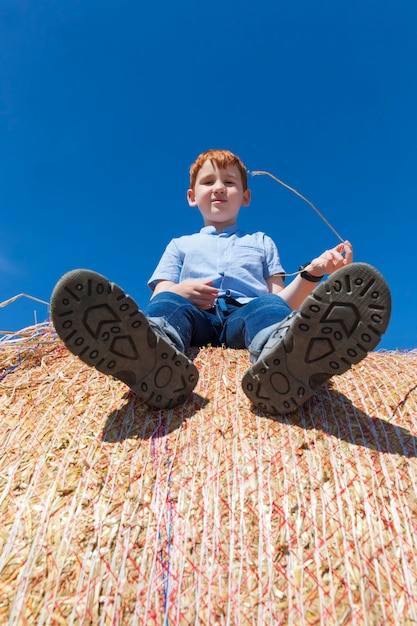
222	304
221	309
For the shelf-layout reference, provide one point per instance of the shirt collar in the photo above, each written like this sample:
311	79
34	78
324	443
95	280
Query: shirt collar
227	230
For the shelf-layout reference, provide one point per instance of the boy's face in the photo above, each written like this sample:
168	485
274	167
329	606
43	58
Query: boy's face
218	194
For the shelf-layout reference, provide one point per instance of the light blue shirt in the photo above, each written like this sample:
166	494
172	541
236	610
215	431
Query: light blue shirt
238	263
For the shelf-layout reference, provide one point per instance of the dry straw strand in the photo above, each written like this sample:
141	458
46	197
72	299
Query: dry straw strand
212	513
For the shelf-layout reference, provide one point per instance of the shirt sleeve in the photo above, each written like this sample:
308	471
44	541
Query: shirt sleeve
169	266
272	260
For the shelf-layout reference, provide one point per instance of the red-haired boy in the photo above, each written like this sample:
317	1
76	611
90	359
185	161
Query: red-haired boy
222	286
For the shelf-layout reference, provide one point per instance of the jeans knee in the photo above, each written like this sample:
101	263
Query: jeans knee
165	301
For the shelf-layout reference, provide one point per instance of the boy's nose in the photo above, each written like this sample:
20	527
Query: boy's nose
219	186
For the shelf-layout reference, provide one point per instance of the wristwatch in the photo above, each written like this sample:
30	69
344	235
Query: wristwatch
307	275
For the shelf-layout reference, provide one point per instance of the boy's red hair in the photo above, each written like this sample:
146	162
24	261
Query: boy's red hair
223	159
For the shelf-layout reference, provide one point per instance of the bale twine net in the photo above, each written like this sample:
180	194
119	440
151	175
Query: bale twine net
212	513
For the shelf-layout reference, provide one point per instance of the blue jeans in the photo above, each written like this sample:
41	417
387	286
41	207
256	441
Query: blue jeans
234	326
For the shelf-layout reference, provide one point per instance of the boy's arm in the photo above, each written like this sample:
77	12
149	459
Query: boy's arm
327	263
199	292
275	283
163	285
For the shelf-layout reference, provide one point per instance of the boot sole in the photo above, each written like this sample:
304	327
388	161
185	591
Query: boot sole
103	326
336	326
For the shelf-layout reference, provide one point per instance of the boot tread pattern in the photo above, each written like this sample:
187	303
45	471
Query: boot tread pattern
337	325
103	326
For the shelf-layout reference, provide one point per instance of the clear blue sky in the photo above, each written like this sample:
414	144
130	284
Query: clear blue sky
104	105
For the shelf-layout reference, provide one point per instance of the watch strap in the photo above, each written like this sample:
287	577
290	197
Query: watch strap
307	276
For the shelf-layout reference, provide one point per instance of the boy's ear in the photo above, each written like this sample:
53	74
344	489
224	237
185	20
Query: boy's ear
246	198
191	197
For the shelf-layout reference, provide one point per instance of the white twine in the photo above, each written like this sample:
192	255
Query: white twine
297	193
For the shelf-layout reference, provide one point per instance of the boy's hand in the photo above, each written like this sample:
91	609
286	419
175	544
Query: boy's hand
331	260
199	292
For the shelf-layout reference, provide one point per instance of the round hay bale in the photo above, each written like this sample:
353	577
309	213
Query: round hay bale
211	513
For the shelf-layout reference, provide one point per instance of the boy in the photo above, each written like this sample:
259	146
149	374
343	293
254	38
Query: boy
222	286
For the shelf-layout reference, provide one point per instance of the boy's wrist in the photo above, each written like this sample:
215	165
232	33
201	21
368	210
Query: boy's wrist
304	273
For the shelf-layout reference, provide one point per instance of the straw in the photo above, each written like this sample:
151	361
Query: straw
212	513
